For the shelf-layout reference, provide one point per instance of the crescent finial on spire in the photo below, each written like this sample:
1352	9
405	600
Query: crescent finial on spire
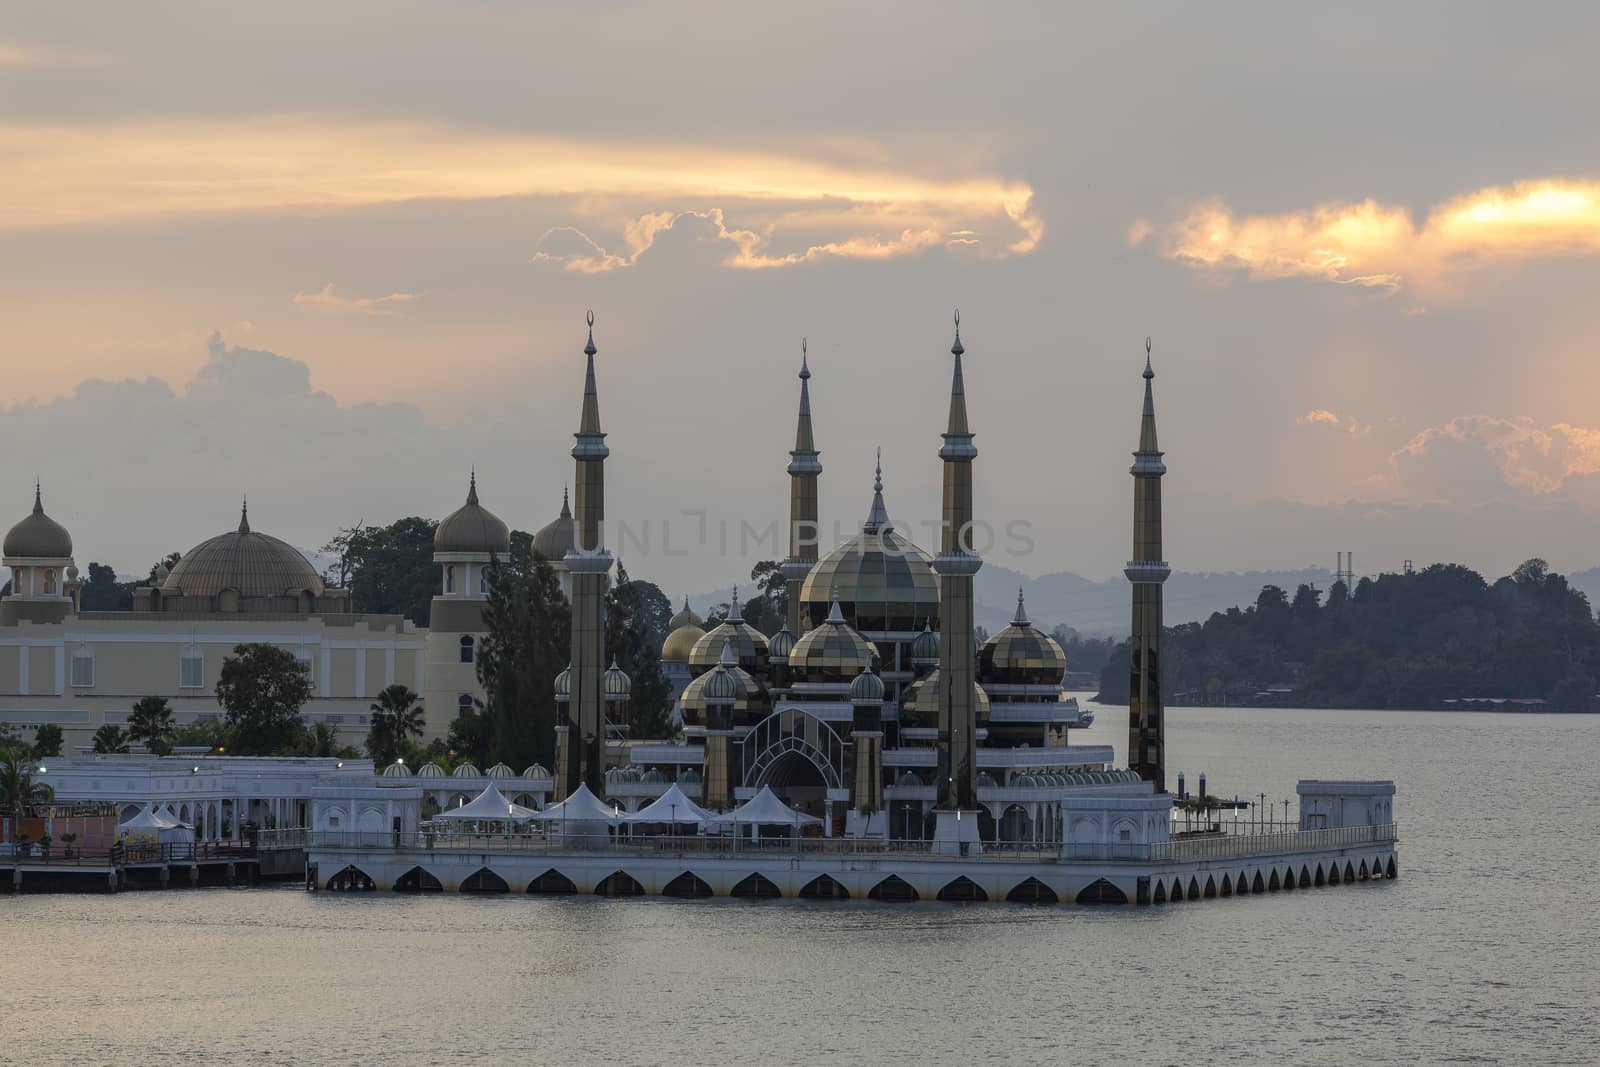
805	369
589	349
1148	373
956	348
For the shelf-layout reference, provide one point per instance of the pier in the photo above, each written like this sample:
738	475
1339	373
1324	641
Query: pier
25	868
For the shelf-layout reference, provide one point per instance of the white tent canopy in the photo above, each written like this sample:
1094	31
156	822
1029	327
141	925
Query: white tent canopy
765	809
148	819
673	807
490	805
581	807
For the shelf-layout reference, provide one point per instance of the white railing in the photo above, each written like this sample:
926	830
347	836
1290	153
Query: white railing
1198	848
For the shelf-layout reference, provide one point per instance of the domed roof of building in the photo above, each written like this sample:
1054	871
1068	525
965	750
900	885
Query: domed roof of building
615	682
431	770
725	682
500	770
885	582
780	645
38	536
558	537
680	642
925	648
397	769
473	528
536	771
252	564
1021	654
686	617
920	704
832	652
866	689
466	770
563	683
749	644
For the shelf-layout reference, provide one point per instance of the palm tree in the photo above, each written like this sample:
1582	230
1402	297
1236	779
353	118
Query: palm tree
109	739
396	715
20	794
150	724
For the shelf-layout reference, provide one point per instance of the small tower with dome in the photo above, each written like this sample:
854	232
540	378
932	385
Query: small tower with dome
465	545
39	552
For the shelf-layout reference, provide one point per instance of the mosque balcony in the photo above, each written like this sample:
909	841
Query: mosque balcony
676	754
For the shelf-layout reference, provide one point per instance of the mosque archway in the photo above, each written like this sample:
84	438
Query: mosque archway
352	879
1211	888
893	888
483	880
824	887
552	883
963	889
417	880
1101	891
1032	891
756	886
1015	826
687	884
619	884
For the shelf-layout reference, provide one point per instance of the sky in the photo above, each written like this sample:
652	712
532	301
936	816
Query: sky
334	258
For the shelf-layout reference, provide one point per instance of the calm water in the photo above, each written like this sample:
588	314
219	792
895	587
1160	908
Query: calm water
1485	950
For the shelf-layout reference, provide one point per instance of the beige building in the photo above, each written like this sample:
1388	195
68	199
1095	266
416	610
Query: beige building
83	669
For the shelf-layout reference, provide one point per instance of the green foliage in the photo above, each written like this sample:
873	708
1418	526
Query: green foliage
150	724
526	645
262	689
202	733
396	717
10	740
21	791
110	739
633	618
47	741
102	592
1397	641
768	576
389	569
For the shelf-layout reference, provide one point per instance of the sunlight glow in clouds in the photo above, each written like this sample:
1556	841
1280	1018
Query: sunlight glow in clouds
326	299
1381	246
792	208
1525	455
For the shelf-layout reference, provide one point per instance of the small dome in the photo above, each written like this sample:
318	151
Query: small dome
473	528
725	683
723	686
499	770
986	781
251	564
686	617
909	778
920	705
431	770
689	776
925	647
780	645
397	769
615	683
466	770
654	777
558	537
563	683
866	689
749	644
38	536
680	642
536	771
833	652
1021	654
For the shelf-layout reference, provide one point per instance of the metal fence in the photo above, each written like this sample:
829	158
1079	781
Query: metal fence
1199	848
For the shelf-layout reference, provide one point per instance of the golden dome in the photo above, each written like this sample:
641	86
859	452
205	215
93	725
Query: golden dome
749	644
885	582
473	528
724	680
251	564
920	705
38	536
686	617
1021	654
680	643
832	652
558	537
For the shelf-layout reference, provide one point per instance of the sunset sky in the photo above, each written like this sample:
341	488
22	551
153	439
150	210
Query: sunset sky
332	257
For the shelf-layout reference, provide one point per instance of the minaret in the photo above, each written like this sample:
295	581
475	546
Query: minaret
803	471
956	564
1147	570
589	564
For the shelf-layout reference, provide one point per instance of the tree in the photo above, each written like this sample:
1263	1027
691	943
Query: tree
150	724
629	636
388	569
109	740
47	741
102	592
261	689
20	792
526	645
768	576
210	733
396	717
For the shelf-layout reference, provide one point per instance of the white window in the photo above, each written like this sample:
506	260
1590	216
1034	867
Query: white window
83	666
192	668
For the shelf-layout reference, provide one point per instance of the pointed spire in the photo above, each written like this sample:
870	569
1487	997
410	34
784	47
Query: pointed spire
472	488
38	498
1147	421
958	389
878	517
735	612
727	661
804	441
244	516
566	508
590	423
835	616
1021	617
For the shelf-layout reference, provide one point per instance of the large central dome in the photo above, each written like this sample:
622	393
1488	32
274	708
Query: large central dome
252	564
885	583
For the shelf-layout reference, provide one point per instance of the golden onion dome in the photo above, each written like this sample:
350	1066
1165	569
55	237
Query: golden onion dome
251	564
38	536
885	582
725	683
832	652
749	644
680	643
473	528
615	683
558	537
920	704
686	617
1021	654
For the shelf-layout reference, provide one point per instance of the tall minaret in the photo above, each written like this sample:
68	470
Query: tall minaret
803	471
956	565
589	564
1147	570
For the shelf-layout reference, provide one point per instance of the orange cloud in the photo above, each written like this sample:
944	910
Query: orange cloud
1381	246
111	172
1324	417
326	300
1472	454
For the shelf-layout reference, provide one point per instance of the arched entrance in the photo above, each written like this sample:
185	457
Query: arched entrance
798	755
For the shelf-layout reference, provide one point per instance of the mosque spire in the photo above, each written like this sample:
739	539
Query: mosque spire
1147	569
958	389
1147	422
472	487
803	470
590	422
566	506
878	517
38	498
803	439
244	516
735	612
1021	617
